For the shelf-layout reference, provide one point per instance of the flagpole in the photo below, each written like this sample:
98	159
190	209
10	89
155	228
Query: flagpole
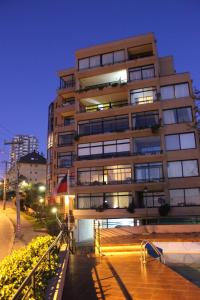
68	193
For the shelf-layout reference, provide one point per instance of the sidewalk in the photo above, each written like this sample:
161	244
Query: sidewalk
27	233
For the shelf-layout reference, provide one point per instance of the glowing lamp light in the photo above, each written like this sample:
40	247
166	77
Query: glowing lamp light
42	188
67	200
41	200
54	210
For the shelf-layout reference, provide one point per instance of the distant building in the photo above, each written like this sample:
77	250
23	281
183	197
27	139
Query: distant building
31	166
28	144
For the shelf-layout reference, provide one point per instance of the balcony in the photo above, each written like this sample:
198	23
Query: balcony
103	200
143	96
142	51
149	172
67	82
147	146
146	120
104	125
104	106
110	175
103	155
118	78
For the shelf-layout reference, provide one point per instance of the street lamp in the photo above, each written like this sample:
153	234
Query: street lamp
42	188
54	210
146	207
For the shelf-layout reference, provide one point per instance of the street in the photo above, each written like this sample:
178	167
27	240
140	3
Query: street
6	235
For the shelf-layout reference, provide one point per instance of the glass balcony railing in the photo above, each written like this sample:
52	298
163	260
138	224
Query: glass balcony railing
104	106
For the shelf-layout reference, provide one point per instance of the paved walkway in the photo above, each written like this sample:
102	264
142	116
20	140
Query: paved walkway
6	235
27	229
117	278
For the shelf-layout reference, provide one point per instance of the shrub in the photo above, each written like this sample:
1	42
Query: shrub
16	267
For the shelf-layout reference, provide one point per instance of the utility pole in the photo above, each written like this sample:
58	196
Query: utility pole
4	184
18	229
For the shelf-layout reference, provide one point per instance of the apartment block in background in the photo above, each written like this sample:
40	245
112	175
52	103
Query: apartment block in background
22	145
123	126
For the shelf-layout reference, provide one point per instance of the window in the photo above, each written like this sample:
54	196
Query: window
142	96
67	81
84	63
106	200
117	200
145	119
146	145
87	201
65	159
68	101
174	91
107	59
65	139
177	115
104	149
68	121
119	56
185	197
103	125
185	168
95	61
180	141
148	172
141	73
151	199
105	175
101	60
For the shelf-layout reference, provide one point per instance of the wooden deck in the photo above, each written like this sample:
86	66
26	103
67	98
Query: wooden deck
124	277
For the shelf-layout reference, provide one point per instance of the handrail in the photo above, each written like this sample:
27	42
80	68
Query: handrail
31	278
144	252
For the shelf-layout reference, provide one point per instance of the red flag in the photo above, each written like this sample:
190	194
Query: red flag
63	186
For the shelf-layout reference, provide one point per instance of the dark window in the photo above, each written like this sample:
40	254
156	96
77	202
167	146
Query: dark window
67	81
65	159
141	73
65	139
68	121
148	172
145	119
103	125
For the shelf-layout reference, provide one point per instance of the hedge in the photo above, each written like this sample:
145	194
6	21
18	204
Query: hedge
17	266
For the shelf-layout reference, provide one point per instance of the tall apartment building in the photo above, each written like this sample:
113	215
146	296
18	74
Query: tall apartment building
123	123
28	144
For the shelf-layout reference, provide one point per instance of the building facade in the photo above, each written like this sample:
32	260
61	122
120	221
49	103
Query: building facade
31	168
123	124
22	145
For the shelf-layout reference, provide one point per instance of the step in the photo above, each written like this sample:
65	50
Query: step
121	248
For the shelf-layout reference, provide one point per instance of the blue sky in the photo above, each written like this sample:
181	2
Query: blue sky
39	37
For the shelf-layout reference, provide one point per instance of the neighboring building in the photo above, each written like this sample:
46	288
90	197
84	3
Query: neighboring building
28	144
31	166
123	123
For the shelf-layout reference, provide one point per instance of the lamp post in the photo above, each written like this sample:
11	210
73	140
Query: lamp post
54	210
146	207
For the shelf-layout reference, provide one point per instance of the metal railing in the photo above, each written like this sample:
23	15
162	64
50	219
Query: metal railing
144	252
29	288
104	106
97	237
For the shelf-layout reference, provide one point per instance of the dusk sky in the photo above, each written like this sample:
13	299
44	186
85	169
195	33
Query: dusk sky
39	37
